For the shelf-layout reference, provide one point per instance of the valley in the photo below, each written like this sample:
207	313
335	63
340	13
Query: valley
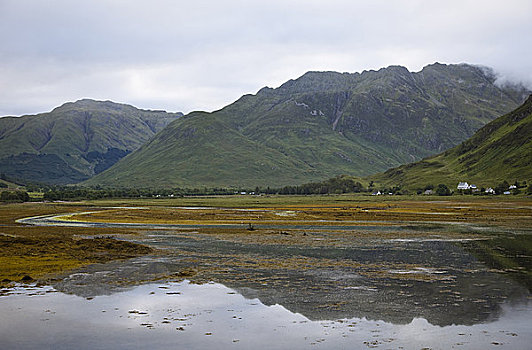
369	262
265	175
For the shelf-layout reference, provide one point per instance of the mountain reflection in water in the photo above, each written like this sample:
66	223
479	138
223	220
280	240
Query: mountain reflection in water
188	316
396	281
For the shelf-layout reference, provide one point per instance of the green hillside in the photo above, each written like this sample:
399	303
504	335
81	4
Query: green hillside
74	141
319	126
500	151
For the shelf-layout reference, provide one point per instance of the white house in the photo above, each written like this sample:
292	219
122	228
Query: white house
466	186
512	187
490	190
463	186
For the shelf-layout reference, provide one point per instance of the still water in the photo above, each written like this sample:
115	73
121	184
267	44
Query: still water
212	316
382	287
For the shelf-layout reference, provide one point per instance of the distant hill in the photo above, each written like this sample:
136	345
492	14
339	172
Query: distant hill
74	141
500	151
319	126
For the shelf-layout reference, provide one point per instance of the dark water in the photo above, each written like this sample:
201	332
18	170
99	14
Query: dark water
373	292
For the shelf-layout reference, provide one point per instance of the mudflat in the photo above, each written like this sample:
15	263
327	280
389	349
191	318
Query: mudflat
99	231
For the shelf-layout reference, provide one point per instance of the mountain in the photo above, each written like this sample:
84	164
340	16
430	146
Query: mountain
499	151
318	126
75	141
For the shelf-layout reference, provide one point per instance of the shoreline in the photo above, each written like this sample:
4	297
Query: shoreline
29	253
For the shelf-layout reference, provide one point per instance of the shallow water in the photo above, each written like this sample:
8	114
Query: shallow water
188	316
389	287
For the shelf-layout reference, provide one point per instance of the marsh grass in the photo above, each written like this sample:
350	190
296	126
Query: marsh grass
39	251
318	210
36	251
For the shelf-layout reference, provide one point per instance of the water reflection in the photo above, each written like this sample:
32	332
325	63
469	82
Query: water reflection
415	285
390	280
189	316
511	254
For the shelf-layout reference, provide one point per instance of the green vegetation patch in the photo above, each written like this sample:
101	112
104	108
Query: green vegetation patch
500	151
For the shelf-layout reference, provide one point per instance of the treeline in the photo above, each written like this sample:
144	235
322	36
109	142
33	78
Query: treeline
336	185
14	196
69	193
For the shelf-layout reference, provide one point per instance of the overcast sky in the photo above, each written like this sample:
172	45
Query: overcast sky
202	55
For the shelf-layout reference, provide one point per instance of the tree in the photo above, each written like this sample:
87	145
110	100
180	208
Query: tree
502	187
443	190
14	196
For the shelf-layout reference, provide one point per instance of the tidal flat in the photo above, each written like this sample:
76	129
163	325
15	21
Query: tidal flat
307	272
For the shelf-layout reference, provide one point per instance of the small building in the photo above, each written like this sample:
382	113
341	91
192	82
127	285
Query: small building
377	193
463	186
428	192
490	190
512	187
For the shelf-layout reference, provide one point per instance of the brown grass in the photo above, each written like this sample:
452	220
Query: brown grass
491	212
40	251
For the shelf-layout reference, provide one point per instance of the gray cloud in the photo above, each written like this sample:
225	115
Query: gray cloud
183	56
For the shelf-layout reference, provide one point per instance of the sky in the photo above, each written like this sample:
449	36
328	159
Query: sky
202	55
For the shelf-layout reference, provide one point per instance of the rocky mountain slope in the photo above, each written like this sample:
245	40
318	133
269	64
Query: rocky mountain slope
75	141
321	125
499	151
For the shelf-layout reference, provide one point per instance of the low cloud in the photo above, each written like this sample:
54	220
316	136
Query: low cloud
184	56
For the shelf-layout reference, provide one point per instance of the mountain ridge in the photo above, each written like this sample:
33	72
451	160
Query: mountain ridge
323	124
75	140
499	151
